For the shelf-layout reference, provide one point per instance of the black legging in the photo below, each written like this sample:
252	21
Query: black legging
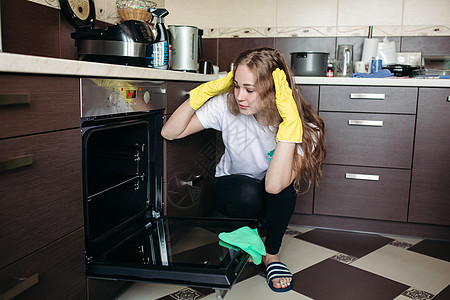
240	196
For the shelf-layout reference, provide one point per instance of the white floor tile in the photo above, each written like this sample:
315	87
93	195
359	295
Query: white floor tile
298	254
422	272
142	290
256	288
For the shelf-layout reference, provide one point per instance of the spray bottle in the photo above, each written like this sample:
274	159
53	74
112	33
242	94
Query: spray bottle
158	53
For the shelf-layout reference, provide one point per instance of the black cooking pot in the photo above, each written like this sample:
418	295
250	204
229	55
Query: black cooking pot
309	63
401	70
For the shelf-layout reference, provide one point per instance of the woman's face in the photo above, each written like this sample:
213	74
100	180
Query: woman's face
245	91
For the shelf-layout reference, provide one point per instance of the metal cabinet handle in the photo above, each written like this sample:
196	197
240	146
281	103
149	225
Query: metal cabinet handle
15	163
14	99
365	123
448	98
367	96
25	284
362	176
193	181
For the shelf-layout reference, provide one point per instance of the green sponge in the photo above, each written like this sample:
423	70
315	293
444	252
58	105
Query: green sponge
246	239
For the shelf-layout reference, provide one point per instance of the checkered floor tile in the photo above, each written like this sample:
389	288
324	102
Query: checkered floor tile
331	264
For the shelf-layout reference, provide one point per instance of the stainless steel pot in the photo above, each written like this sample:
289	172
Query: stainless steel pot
309	63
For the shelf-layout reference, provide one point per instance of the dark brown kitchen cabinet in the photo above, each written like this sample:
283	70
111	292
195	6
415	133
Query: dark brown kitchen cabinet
41	184
304	203
53	272
430	186
370	134
189	163
363	192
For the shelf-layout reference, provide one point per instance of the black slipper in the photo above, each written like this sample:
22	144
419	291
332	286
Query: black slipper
278	270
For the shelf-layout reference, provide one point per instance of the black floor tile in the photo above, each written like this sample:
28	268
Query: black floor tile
350	243
434	248
330	279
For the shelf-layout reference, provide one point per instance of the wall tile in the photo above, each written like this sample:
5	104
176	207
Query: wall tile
366	12
430	12
201	13
426	45
306	31
51	3
293	13
30	28
230	48
249	13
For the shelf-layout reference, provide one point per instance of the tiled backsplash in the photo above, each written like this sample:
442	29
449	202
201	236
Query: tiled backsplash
36	27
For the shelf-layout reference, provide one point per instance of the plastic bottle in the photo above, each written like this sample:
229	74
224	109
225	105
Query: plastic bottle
158	52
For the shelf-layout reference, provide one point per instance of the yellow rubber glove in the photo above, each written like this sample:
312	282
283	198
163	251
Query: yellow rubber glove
204	92
290	130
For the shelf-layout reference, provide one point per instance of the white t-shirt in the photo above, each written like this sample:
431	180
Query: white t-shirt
248	145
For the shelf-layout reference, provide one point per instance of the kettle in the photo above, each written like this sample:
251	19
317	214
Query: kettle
344	65
187	47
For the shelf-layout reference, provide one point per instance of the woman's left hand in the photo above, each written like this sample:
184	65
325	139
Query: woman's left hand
290	130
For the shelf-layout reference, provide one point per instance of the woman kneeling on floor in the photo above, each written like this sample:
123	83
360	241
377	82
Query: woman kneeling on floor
273	141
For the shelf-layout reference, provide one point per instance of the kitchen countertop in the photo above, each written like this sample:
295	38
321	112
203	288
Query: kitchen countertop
18	63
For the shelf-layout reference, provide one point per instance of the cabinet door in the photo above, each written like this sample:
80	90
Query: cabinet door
430	189
177	93
56	271
188	171
42	199
360	192
377	140
32	104
311	94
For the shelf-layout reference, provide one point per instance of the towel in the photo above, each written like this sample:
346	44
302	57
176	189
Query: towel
380	74
246	239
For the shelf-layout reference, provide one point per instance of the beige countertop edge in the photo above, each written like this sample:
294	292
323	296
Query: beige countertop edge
19	63
392	81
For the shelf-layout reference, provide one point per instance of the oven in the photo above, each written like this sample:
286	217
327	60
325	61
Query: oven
127	235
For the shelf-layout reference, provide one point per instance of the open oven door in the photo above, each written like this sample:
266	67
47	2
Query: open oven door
175	250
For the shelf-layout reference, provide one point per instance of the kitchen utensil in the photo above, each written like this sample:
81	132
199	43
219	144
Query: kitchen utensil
344	60
186	47
401	70
309	63
205	67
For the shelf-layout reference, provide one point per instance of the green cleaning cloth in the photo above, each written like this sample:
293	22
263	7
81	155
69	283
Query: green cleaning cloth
246	239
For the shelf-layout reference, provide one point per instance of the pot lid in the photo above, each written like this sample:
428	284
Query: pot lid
79	13
310	52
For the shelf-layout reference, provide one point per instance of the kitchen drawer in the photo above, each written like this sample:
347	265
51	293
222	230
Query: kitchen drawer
311	94
42	200
189	167
368	99
55	272
372	193
33	104
177	93
377	140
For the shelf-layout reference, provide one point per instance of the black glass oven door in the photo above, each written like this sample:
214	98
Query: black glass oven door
176	250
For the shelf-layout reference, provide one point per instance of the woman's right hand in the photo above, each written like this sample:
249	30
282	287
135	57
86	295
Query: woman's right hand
204	92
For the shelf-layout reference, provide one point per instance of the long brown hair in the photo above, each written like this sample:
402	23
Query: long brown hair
262	62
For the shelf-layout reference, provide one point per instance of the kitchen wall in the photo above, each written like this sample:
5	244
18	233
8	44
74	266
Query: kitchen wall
36	27
317	18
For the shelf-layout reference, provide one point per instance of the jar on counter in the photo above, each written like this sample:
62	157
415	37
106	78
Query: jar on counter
330	70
